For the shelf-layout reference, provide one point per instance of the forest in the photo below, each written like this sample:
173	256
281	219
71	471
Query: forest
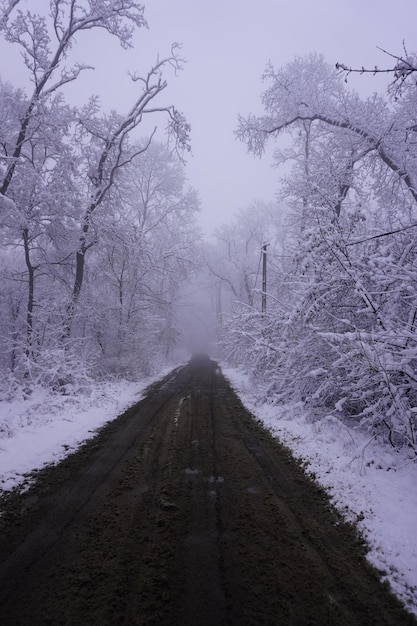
105	271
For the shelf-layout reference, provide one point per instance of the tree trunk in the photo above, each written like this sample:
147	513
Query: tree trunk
78	282
31	295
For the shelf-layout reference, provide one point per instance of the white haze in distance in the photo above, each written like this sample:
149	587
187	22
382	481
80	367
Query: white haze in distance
227	44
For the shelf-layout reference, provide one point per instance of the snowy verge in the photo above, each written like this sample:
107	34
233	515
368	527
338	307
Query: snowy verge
368	483
45	427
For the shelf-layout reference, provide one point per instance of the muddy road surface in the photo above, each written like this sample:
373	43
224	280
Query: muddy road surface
183	511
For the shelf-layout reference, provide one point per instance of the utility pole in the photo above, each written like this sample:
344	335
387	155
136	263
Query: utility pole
264	277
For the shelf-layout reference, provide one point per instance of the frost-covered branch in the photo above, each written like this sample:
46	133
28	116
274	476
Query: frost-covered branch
255	131
30	32
6	8
405	66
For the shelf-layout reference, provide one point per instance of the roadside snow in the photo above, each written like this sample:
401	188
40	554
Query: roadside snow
44	428
369	484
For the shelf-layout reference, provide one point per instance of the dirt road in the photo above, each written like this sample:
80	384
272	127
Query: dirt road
184	512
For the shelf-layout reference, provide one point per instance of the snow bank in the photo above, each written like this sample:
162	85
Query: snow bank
44	428
369	483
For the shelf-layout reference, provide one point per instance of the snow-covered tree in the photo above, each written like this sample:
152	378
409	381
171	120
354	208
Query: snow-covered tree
64	177
235	263
147	251
235	257
106	150
347	342
45	42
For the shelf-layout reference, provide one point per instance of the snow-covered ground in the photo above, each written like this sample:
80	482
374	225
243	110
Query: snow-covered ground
44	428
369	483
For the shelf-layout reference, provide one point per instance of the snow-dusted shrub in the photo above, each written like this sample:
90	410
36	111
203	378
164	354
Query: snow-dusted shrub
377	378
345	343
64	370
249	341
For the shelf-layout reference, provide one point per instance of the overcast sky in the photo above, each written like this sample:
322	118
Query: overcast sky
227	44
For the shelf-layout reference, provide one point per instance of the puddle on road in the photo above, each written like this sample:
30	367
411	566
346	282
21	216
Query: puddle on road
216	479
177	414
191	472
